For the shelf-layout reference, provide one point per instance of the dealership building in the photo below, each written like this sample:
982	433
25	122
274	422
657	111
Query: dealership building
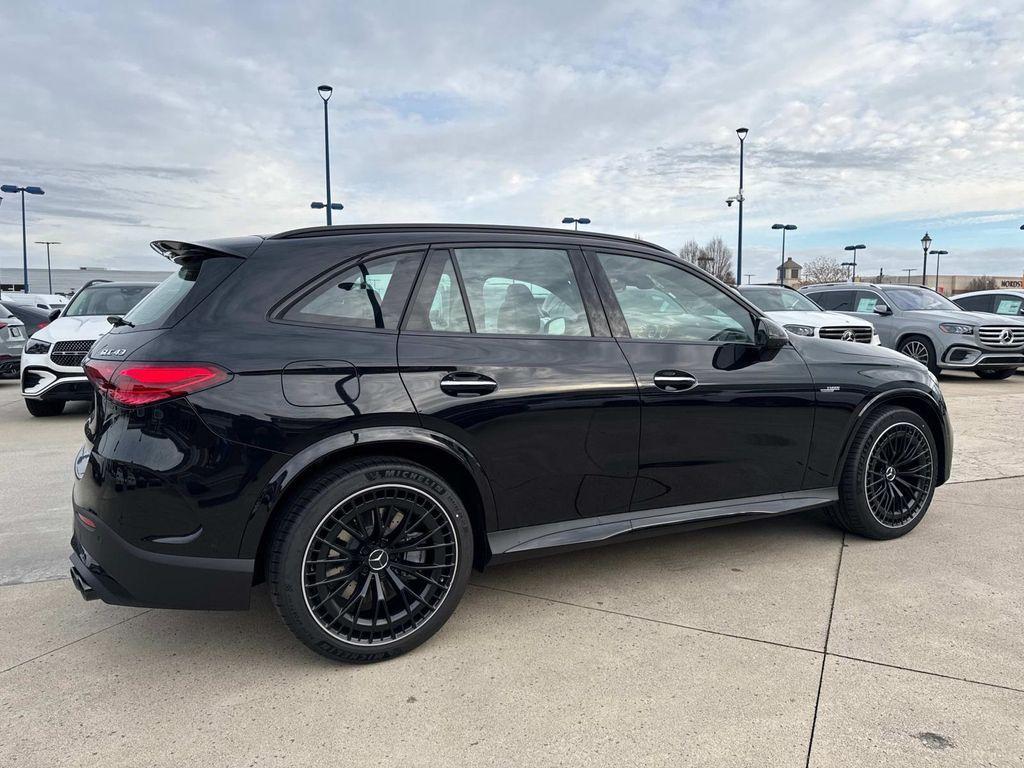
950	285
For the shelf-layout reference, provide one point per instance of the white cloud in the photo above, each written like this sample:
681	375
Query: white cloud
198	120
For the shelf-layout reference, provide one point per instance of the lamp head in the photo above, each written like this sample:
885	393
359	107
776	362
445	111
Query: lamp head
791	226
778	226
584	220
742	133
325	92
317	206
34	190
926	241
10	188
568	220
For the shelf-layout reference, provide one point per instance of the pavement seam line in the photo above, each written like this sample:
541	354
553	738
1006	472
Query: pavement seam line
925	672
701	630
73	642
984	480
824	655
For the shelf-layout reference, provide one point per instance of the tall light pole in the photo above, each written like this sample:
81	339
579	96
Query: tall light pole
938	255
325	92
742	134
49	274
577	221
854	248
926	243
908	271
782	265
24	240
748	276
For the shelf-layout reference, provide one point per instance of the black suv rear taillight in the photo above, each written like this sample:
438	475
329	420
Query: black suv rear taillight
137	384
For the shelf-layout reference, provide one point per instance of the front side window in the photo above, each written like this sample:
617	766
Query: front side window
1009	305
866	301
530	291
660	301
104	300
370	294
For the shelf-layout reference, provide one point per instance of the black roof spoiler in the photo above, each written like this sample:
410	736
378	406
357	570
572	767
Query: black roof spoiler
176	250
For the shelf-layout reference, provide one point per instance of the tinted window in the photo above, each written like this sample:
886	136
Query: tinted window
1007	304
106	300
976	303
841	301
522	291
660	301
442	308
865	301
370	294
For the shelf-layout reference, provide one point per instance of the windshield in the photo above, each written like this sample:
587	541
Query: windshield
919	298
769	299
104	300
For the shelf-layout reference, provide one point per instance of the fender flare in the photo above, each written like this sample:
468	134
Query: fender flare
338	444
943	439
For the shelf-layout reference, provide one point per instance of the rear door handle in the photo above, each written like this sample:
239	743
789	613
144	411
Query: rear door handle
674	381
462	383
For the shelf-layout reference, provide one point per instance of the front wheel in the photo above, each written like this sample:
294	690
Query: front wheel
991	374
44	407
370	559
921	349
889	477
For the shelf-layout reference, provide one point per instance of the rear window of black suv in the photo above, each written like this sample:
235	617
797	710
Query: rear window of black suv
177	295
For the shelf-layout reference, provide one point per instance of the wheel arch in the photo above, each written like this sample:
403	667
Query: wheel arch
437	452
914	400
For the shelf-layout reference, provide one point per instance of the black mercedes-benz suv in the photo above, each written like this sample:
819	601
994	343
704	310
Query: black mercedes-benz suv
361	415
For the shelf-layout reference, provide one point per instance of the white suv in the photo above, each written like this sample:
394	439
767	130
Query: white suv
802	317
51	363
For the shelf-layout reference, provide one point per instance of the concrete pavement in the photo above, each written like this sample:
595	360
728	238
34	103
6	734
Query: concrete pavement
775	643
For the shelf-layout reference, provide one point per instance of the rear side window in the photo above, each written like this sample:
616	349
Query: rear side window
976	303
180	293
839	301
370	294
530	291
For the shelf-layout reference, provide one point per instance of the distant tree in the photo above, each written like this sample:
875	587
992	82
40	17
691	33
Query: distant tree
690	251
983	283
719	257
824	269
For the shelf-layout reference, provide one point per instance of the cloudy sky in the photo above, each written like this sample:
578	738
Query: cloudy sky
869	122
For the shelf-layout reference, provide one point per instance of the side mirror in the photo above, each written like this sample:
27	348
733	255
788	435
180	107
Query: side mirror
770	336
54	315
882	309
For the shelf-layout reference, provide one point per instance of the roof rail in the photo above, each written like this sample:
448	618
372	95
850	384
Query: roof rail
490	228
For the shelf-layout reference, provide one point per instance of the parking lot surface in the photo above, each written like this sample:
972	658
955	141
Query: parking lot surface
774	643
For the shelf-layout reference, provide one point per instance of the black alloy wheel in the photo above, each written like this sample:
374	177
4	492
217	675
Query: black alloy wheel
889	476
899	475
370	559
379	564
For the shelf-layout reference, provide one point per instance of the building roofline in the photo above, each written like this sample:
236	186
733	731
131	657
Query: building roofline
351	229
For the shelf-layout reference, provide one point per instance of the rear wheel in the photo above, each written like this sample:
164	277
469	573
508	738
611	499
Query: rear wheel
44	407
996	374
370	559
889	477
920	348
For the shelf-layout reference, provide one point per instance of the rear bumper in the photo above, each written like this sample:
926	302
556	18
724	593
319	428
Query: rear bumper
106	567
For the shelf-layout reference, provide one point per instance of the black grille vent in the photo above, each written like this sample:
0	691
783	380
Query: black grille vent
861	333
70	352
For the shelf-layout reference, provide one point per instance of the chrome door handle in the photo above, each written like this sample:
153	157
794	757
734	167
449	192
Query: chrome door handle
674	381
458	383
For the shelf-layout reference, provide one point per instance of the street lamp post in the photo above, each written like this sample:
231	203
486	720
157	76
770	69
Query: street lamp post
854	248
938	255
908	271
325	92
782	265
926	243
852	266
748	276
24	240
577	221
742	134
49	274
